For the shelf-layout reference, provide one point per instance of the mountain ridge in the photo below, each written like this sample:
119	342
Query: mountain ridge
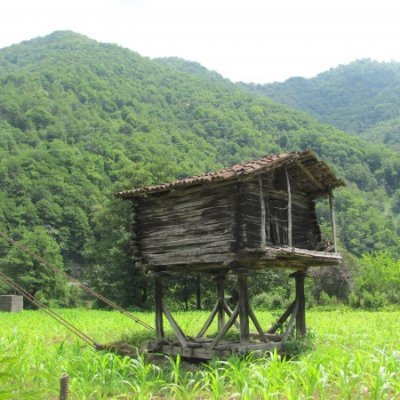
356	97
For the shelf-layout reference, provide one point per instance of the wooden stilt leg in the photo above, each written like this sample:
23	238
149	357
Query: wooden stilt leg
221	302
158	289
243	309
300	299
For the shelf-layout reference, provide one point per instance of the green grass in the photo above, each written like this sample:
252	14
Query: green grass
356	355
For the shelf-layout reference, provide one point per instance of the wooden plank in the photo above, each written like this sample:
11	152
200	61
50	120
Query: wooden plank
159	310
194	259
290	221
333	219
237	216
243	308
222	226
309	175
206	242
223	351
164	214
263	217
175	327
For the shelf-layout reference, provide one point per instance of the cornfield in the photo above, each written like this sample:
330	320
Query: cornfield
354	354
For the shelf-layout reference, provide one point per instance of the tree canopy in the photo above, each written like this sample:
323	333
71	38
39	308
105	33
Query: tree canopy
362	97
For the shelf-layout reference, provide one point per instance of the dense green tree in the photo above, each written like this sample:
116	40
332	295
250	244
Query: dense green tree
38	279
114	273
361	97
377	281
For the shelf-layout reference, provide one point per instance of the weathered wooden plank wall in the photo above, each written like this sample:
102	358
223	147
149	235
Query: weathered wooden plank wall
306	233
208	226
186	229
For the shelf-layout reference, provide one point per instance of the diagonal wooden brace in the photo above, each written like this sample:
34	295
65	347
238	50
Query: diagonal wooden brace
175	327
226	328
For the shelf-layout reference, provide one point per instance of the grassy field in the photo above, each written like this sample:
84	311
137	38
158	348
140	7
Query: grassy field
355	355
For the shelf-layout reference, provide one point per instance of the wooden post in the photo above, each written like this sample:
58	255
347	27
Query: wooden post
243	308
290	223
198	292
221	301
263	216
333	220
158	294
64	387
301	305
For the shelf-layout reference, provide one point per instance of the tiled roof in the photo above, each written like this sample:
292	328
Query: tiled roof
235	172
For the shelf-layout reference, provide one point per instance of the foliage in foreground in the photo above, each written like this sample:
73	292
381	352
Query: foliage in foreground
355	356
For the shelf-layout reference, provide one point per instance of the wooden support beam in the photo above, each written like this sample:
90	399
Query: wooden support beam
333	219
175	327
198	292
243	308
210	319
301	306
290	222
221	301
263	214
226	328
282	318
309	175
229	312
290	326
257	325
158	294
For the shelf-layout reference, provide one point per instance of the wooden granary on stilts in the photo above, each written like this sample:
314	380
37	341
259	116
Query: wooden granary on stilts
250	217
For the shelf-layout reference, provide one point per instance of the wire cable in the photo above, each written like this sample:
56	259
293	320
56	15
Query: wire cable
48	311
84	287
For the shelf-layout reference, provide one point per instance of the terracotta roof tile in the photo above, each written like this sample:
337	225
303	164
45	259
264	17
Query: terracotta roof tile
234	172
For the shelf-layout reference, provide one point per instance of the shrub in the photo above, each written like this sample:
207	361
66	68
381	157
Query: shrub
372	300
269	301
354	300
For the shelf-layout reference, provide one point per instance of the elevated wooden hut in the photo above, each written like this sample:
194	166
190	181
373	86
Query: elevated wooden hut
249	217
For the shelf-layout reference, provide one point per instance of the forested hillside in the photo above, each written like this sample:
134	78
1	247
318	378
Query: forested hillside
80	120
362	97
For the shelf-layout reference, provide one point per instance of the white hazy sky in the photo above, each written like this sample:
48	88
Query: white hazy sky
248	40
